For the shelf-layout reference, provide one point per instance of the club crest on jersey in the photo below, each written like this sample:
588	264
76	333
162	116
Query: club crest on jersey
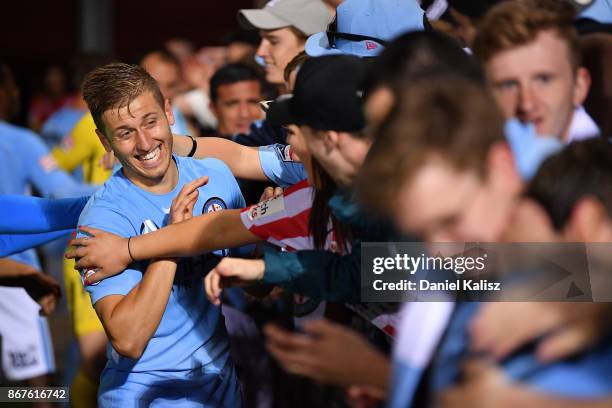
85	275
213	204
268	207
285	153
148	226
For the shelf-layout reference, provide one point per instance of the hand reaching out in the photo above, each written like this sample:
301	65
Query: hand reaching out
183	203
232	272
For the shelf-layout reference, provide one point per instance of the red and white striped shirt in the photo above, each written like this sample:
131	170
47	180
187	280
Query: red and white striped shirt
283	220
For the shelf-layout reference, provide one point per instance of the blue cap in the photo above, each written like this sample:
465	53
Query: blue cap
375	21
529	149
598	10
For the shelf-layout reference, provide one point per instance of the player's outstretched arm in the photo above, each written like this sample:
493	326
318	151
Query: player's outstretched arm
41	287
243	161
33	215
110	253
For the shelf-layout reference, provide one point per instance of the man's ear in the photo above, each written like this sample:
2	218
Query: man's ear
589	222
501	168
168	110
581	86
104	140
331	140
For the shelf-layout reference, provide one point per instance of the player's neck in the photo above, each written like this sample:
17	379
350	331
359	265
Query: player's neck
163	185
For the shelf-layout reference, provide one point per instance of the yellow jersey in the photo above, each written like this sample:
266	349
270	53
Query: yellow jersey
83	148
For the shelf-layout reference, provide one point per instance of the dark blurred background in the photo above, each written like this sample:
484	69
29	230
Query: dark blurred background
36	34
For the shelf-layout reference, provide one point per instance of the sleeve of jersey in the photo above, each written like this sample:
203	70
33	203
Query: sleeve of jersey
281	221
15	243
112	221
33	215
316	273
46	176
279	167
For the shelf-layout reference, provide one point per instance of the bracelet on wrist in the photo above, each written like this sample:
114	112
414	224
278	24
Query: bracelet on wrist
129	250
194	146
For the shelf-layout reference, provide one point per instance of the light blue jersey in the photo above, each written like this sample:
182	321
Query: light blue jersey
186	361
278	165
29	163
599	10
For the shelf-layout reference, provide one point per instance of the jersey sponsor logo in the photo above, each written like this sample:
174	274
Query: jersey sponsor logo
48	163
148	226
85	275
213	205
23	358
285	153
265	208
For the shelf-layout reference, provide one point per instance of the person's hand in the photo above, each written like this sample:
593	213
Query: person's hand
565	328
270	192
40	287
48	303
103	252
183	203
232	272
44	289
329	353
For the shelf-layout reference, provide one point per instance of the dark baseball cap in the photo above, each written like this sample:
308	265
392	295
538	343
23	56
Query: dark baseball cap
473	8
328	95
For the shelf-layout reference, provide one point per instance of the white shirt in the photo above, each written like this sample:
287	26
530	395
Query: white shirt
582	126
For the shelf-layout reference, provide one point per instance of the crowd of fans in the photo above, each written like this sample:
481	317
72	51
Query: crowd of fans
221	201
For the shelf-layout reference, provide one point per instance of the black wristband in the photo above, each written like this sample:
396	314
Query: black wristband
194	146
130	251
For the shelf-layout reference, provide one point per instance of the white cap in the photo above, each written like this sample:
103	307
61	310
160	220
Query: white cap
307	16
